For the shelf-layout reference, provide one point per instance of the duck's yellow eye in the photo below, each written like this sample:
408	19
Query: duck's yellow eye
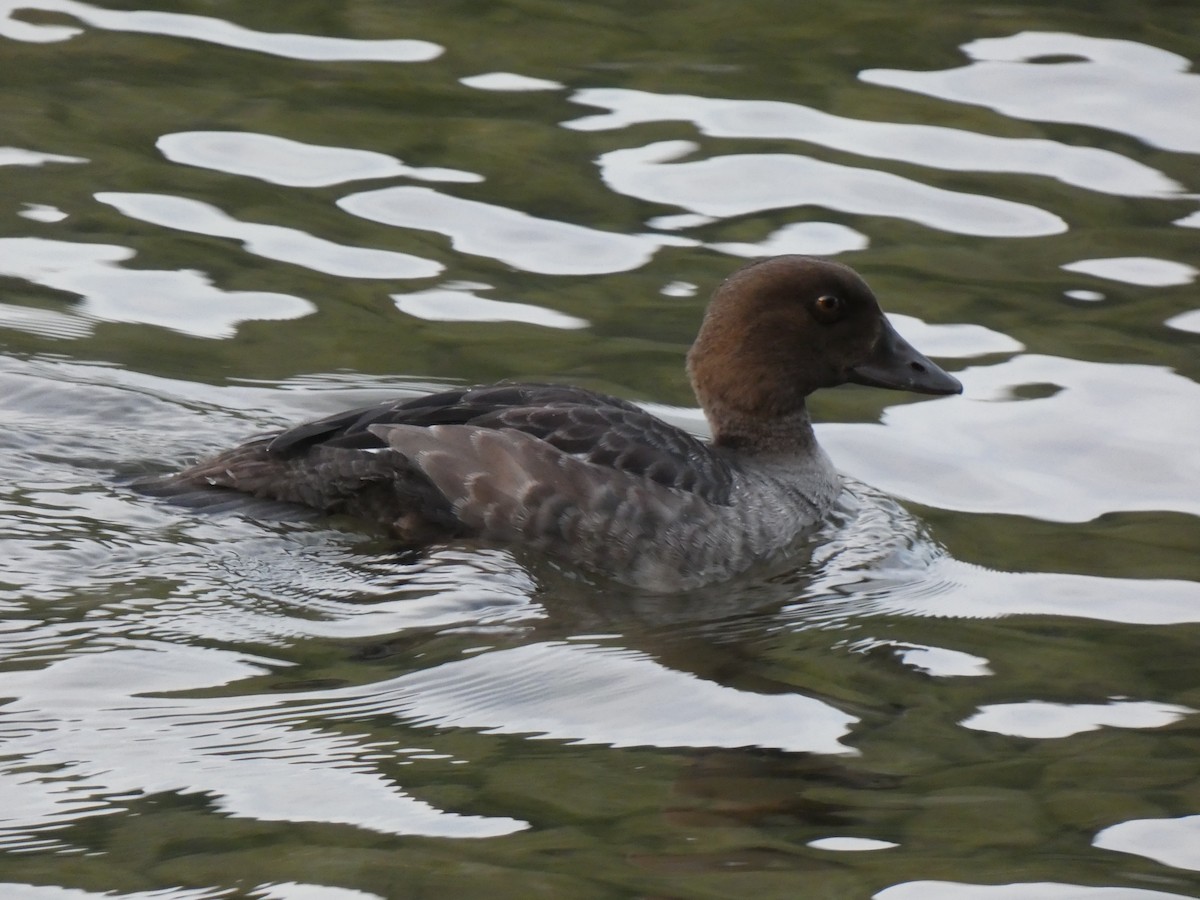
827	307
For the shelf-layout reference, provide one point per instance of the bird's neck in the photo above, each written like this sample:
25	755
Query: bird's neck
788	434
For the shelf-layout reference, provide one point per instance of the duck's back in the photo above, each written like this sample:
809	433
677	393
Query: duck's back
372	461
593	427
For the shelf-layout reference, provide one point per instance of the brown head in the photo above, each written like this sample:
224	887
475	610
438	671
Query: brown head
778	329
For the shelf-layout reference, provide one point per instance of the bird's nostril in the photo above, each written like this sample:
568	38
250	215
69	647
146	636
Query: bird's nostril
917	367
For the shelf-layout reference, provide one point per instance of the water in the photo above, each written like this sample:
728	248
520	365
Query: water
978	683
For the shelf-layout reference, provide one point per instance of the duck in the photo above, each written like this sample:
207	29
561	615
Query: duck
595	480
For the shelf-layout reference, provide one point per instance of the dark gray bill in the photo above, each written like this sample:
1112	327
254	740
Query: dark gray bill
894	363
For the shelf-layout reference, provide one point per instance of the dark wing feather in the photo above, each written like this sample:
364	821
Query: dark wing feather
627	439
458	407
593	427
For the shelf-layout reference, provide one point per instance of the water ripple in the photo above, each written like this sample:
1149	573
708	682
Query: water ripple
15	156
1039	719
585	693
185	301
144	744
461	303
1173	842
739	184
1143	270
14	891
205	28
516	238
1111	438
951	149
1118	85
1042	890
279	160
288	245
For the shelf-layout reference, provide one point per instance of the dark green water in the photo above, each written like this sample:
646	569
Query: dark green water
981	679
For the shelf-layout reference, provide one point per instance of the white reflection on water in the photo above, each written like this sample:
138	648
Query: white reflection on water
953	340
679	222
516	238
1117	85
15	156
851	844
873	558
807	238
951	588
1028	890
290	890
1110	438
1173	842
739	184
935	661
678	289
279	160
317	595
204	28
43	322
453	303
12	891
591	694
42	212
288	245
925	145
184	301
508	81
1143	270
1185	321
1039	719
98	732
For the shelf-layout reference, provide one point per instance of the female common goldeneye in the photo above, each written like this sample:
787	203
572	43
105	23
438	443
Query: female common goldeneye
595	479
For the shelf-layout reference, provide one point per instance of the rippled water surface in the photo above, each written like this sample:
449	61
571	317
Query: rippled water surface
980	680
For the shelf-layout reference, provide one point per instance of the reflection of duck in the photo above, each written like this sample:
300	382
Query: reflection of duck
595	479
